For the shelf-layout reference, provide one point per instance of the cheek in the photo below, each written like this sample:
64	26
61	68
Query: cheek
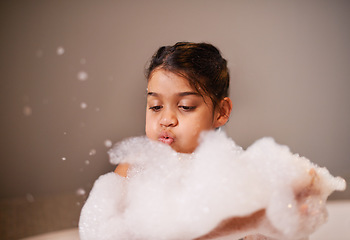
194	128
150	127
202	123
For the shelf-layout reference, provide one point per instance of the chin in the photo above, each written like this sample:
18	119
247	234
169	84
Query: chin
184	150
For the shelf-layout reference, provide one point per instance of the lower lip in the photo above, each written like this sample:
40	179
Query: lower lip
166	140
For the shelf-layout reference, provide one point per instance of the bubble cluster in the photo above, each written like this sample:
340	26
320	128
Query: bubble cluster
220	180
92	152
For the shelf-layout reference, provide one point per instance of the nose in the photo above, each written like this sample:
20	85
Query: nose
168	118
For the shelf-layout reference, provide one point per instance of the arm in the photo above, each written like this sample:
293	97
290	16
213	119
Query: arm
259	221
236	225
122	169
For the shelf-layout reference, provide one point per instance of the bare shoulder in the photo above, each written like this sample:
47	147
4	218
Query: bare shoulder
122	169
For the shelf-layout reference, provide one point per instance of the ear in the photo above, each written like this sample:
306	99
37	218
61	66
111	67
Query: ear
222	113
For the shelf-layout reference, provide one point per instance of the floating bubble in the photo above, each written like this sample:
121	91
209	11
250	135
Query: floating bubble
30	197
82	61
60	51
39	53
97	109
82	76
108	143
83	105
27	111
80	192
87	162
64	133
92	152
64	159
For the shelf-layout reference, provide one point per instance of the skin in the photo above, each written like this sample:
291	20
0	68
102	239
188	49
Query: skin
176	114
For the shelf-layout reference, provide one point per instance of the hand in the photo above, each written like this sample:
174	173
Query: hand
311	204
308	192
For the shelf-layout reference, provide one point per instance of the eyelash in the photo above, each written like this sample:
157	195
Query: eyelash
155	108
188	108
184	108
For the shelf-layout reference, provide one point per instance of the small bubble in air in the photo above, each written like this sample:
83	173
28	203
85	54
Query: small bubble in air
108	143
27	111
64	159
64	133
30	197
92	152
80	192
83	105
39	53
97	109
82	61
60	51
82	76
87	162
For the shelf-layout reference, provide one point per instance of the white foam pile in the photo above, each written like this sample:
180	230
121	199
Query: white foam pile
168	195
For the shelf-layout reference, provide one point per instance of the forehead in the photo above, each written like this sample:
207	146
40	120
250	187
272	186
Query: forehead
166	81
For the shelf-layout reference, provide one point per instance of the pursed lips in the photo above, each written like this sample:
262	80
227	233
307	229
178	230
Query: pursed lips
166	138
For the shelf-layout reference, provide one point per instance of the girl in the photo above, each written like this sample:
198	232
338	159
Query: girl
187	94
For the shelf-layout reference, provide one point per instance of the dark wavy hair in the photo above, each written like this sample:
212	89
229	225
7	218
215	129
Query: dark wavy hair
200	63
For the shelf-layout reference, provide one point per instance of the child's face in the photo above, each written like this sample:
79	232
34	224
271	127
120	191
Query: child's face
176	113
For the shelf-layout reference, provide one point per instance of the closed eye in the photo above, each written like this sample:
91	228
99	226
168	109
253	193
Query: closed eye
187	108
156	108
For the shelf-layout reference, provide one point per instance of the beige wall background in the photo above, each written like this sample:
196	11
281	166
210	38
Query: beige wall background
289	62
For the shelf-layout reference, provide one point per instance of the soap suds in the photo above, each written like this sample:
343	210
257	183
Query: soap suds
168	195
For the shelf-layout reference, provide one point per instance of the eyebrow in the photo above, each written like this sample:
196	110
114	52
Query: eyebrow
181	94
